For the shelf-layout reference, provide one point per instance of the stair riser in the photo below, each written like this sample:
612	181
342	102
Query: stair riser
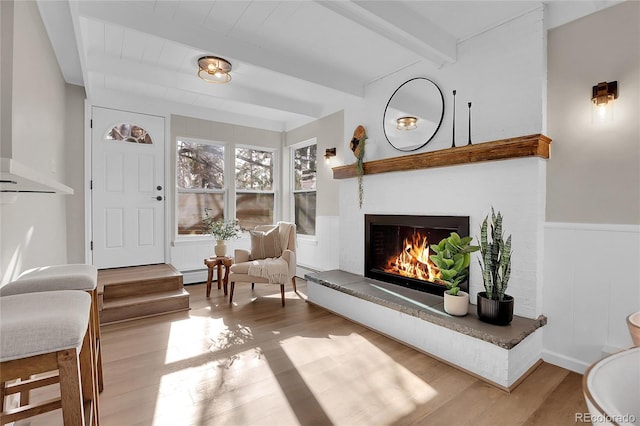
138	288
139	310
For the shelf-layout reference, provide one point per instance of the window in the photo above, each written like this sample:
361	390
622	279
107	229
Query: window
255	196
129	133
200	182
304	188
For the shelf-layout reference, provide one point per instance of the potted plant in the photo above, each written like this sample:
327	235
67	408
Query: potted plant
452	257
221	231
494	305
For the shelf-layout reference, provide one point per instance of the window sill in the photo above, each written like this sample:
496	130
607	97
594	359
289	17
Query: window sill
196	240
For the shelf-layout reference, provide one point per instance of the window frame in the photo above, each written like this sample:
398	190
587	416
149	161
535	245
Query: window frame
292	179
225	191
275	175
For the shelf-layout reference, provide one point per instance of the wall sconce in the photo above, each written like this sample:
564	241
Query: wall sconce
329	153
406	123
213	69
602	96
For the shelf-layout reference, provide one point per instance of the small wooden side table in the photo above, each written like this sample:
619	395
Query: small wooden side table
218	261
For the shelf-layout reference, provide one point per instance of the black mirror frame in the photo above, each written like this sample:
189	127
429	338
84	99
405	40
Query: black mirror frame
384	116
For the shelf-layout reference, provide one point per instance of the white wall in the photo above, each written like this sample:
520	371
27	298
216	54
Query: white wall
594	171
502	72
515	187
34	228
591	285
318	252
592	240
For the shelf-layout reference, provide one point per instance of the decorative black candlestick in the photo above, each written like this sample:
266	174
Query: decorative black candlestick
469	123
453	135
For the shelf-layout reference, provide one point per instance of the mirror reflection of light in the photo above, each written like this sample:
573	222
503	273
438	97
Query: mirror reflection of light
407	123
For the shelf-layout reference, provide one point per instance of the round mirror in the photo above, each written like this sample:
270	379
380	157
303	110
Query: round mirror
413	114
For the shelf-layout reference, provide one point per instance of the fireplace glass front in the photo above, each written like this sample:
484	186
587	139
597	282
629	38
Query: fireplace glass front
397	249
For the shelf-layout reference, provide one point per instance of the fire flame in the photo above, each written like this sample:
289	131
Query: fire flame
413	261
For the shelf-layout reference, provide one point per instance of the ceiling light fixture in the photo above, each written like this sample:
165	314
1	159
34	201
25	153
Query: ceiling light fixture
213	69
406	123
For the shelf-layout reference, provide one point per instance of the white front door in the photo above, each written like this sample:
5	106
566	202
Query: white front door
127	199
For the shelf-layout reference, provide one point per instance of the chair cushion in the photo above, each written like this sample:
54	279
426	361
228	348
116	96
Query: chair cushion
51	278
39	323
265	244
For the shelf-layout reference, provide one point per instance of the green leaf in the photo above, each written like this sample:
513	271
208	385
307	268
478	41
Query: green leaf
458	260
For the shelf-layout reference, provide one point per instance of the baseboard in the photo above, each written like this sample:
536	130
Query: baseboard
196	276
564	361
302	270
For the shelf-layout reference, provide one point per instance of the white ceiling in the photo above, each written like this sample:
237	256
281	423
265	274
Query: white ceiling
293	61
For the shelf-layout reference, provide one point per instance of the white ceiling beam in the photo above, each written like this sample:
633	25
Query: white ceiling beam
399	24
56	17
133	70
123	100
126	15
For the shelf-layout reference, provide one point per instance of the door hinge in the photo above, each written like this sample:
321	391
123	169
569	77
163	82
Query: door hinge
91	184
91	245
91	123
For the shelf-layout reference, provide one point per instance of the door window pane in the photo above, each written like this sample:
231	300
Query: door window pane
129	133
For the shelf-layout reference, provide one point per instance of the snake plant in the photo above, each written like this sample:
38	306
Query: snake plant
495	257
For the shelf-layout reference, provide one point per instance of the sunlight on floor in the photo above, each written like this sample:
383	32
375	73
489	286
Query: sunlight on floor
378	387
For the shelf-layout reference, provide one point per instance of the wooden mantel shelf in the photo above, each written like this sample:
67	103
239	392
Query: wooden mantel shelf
522	146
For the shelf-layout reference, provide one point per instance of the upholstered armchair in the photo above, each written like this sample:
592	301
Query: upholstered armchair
272	258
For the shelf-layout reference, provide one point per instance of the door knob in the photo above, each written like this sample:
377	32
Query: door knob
159	197
159	188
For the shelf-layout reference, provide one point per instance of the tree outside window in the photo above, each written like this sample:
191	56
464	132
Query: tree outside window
304	189
200	182
255	197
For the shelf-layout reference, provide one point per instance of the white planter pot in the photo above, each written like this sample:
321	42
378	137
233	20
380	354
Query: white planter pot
456	305
220	248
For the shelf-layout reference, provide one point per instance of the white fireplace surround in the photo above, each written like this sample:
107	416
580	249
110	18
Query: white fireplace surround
516	187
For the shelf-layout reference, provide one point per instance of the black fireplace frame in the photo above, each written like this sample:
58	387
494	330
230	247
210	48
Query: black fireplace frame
459	224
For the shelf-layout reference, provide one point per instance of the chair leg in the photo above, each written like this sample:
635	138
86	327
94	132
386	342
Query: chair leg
70	388
233	285
95	318
293	281
89	373
282	293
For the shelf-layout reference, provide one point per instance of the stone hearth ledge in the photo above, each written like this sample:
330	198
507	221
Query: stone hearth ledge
516	347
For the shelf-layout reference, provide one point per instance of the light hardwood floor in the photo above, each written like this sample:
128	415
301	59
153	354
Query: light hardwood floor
256	363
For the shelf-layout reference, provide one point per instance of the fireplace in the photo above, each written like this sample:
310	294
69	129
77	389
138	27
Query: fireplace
397	249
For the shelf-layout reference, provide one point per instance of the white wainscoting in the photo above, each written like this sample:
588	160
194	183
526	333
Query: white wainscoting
317	253
591	283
